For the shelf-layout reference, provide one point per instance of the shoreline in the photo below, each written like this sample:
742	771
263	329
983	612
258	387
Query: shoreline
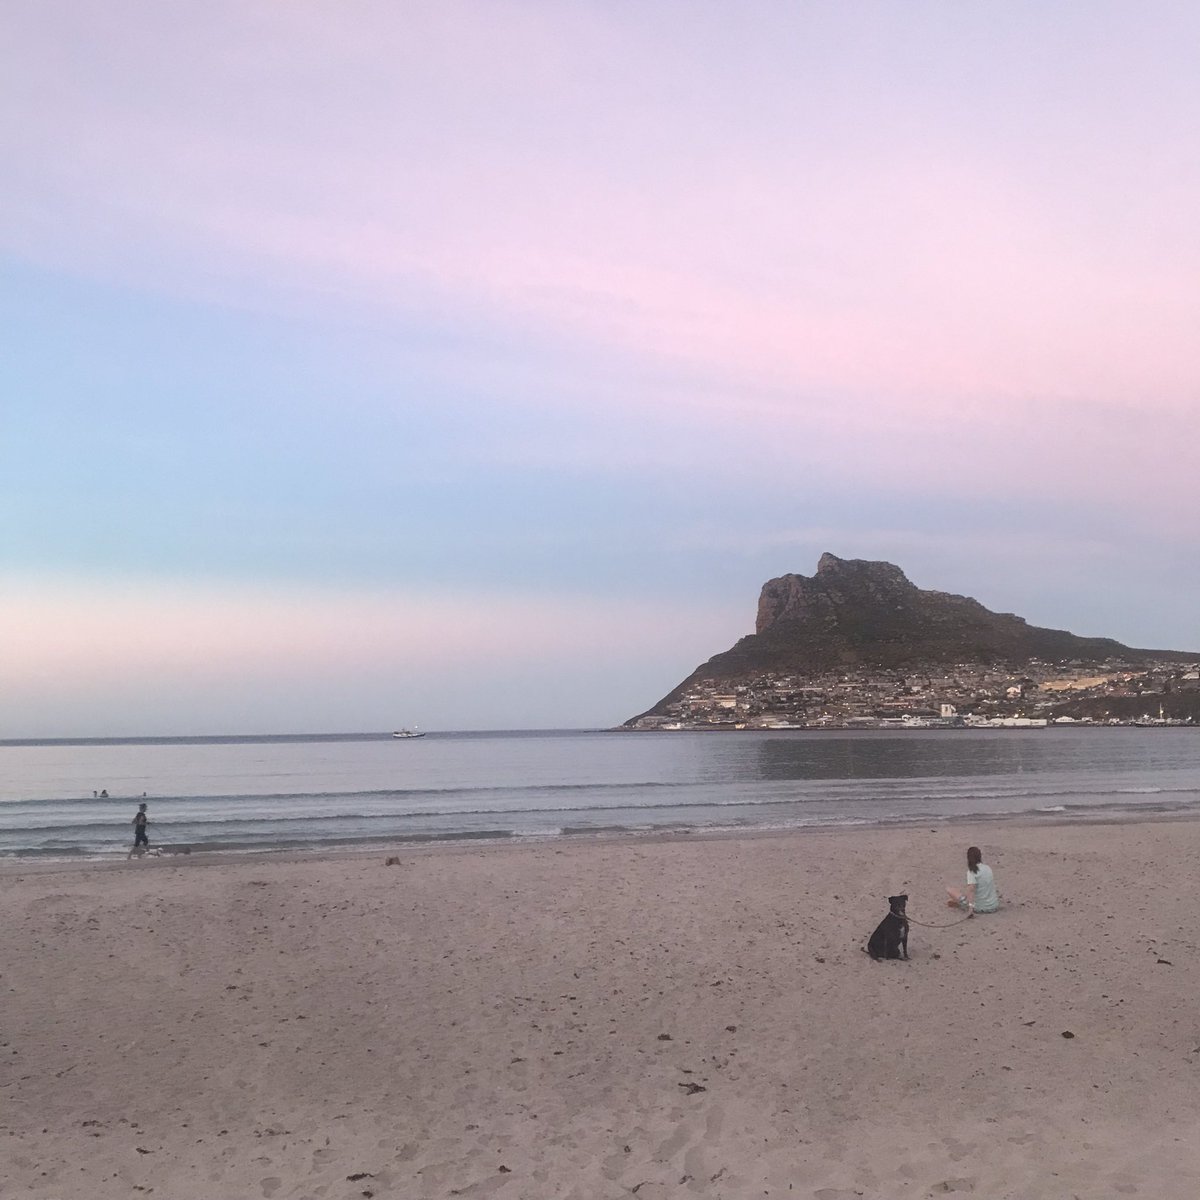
465	844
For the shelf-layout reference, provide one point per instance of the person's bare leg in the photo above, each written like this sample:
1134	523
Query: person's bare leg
954	897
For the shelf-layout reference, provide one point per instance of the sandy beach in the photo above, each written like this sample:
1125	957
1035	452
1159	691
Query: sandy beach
594	1019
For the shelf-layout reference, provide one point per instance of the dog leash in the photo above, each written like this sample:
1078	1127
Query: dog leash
927	925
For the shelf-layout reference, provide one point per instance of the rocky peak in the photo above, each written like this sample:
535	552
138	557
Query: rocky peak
838	583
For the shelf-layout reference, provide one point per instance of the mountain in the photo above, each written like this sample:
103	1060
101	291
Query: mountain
862	619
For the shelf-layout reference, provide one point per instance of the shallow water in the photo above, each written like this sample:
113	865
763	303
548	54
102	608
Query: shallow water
266	793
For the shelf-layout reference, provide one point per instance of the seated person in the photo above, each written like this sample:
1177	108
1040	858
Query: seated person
980	894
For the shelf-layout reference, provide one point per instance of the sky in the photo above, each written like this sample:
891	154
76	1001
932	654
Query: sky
471	365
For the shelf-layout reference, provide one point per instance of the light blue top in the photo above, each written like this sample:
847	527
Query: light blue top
987	899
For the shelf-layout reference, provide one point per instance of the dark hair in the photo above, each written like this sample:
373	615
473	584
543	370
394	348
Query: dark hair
974	858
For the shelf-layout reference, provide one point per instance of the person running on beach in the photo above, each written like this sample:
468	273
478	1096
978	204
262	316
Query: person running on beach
980	894
140	839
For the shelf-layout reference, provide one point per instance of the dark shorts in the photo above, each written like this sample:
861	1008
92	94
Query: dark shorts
140	838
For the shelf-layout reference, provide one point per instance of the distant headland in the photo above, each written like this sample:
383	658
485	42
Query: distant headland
858	645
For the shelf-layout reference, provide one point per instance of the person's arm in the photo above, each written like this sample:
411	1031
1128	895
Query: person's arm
970	899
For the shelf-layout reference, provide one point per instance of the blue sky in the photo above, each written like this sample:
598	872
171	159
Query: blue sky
471	365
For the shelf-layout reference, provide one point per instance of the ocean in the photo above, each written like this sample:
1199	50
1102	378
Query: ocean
246	794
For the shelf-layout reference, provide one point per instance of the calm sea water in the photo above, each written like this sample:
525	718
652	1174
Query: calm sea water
273	792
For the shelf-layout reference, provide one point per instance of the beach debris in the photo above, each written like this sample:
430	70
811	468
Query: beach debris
1028	1022
141	1151
664	1037
359	1175
391	862
731	1029
691	1087
1165	962
1067	1033
818	958
504	1170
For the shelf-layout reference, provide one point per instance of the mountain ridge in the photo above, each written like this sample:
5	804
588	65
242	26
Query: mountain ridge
863	616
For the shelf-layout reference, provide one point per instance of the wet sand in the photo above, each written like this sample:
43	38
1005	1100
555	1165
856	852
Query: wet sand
668	1017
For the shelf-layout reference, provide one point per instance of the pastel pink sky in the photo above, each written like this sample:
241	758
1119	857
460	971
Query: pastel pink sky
904	254
838	213
82	645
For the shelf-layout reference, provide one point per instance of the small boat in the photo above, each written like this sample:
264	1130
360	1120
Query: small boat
406	733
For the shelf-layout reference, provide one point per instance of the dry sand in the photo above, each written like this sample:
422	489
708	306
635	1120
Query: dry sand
675	1017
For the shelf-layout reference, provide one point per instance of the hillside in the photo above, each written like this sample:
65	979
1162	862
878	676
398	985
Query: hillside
862	627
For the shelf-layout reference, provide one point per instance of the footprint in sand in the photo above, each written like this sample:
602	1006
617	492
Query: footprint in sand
715	1122
270	1185
673	1144
957	1150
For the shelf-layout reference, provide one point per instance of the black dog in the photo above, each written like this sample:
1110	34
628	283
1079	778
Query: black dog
890	939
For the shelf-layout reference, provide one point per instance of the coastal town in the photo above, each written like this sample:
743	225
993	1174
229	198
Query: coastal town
952	696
